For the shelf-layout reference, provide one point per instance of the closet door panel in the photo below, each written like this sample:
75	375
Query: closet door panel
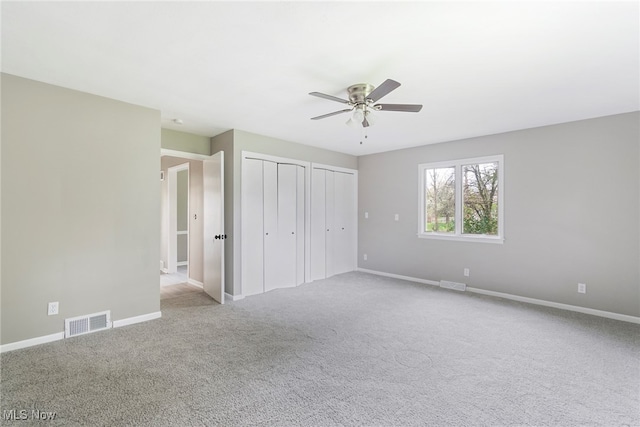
287	225
270	236
252	228
340	251
351	222
329	224
344	211
300	224
318	229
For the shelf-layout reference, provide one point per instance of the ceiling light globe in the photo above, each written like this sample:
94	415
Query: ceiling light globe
357	115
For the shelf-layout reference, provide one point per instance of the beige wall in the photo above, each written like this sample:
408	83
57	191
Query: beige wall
572	211
184	141
80	205
195	214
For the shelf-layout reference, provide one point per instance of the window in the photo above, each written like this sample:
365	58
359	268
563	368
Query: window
462	199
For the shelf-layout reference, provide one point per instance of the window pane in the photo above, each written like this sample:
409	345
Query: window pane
440	200
480	198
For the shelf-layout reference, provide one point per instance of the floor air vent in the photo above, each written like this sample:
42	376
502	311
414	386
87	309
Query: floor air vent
453	285
86	324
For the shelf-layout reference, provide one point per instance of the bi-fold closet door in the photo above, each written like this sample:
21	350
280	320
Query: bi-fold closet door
273	225
333	221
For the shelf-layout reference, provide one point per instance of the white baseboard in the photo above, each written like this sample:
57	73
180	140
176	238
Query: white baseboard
568	307
195	283
233	297
31	342
60	335
136	319
165	271
576	308
181	263
397	276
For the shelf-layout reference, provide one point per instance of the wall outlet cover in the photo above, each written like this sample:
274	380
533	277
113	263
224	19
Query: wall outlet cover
52	308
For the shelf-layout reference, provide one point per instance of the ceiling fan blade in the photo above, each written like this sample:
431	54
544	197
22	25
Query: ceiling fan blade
386	87
409	108
329	97
330	114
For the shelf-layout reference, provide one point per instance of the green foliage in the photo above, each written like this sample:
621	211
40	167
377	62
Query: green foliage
443	226
480	188
479	225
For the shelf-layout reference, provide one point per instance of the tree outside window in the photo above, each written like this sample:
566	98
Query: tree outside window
462	199
440	198
480	199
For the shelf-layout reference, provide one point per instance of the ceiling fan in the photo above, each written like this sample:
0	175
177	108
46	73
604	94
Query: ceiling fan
362	98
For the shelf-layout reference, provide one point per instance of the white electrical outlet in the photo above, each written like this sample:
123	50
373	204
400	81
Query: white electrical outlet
53	308
466	272
365	257
397	217
366	215
582	288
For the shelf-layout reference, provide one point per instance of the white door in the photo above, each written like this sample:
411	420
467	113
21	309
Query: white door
252	228
287	225
344	211
213	210
318	229
300	224
270	195
329	223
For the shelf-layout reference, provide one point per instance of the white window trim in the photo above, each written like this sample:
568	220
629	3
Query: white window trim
457	235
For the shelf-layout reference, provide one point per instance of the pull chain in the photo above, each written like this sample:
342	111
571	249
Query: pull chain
363	133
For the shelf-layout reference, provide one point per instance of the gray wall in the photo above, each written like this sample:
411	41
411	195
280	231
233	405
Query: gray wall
572	197
80	201
233	143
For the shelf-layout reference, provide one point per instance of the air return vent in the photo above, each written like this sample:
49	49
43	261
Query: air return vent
453	285
85	324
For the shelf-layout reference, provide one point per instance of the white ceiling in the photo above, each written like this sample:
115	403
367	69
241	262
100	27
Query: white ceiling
478	67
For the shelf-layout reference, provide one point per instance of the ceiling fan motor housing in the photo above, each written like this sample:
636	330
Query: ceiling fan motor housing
358	93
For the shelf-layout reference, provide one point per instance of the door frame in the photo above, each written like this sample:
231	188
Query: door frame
201	157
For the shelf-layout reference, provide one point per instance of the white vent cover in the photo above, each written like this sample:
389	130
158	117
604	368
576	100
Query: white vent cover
453	285
86	324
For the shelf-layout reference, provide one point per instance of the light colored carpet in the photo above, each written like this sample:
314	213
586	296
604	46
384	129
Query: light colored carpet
354	349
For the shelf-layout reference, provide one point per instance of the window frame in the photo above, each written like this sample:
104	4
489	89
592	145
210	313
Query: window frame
457	235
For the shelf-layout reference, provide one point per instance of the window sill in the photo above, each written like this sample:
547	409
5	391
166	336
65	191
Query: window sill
462	238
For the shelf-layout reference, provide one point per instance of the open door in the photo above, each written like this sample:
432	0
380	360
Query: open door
214	234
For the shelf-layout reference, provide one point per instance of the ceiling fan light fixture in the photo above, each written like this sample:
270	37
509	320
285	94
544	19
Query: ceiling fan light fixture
358	114
351	123
371	118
